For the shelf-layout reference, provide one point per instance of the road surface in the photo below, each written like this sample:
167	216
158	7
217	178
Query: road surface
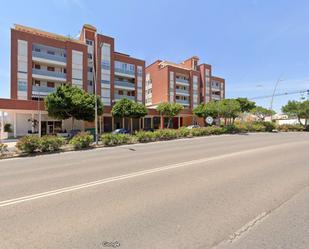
234	191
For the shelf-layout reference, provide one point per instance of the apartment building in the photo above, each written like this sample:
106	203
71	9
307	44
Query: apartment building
187	83
41	61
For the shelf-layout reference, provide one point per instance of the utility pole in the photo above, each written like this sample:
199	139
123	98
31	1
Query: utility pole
273	95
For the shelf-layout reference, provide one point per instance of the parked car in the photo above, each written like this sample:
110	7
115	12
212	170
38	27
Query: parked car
73	133
149	129
193	126
121	131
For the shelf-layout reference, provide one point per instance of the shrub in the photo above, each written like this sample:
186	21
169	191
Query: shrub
196	132
51	143
145	136
28	144
290	127
8	128
232	129
165	134
269	126
3	149
183	132
255	127
82	140
214	130
116	139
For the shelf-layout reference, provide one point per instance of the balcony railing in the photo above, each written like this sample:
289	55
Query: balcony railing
216	97
42	90
181	91
49	73
182	80
49	56
118	97
183	102
123	71
214	87
121	83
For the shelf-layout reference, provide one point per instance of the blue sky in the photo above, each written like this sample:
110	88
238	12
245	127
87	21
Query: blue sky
251	43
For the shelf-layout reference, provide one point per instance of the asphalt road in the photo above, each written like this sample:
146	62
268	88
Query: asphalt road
235	191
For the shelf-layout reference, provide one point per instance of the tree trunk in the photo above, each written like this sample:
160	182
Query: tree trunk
72	123
168	123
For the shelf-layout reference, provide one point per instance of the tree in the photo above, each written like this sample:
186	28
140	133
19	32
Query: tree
169	110
296	109
205	110
245	104
229	109
71	102
126	108
262	112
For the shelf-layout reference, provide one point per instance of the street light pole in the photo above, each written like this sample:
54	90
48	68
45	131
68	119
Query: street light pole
95	88
273	95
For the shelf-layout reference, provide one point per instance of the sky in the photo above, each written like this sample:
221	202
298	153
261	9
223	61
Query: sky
250	43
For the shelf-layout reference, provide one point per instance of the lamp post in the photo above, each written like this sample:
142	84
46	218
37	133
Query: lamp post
95	89
273	95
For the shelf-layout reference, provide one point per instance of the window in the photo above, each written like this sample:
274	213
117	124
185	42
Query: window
37	50
51	84
90	69
37	83
64	70
51	52
120	92
89	56
50	69
90	82
89	42
37	66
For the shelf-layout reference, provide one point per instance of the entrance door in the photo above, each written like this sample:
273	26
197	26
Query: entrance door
50	127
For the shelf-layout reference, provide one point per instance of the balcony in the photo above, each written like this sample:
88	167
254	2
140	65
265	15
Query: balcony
183	102
119	97
182	92
215	97
49	58
42	90
120	84
124	72
48	75
181	81
215	88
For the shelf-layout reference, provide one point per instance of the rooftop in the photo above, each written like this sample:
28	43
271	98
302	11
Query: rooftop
45	34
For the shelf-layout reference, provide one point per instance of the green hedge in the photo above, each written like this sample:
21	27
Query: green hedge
290	127
3	149
51	143
116	139
31	144
28	144
82	140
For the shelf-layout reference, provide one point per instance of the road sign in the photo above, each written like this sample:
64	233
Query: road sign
209	120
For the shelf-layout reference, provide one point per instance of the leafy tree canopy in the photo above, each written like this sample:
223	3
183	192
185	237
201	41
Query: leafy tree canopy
262	112
71	102
245	104
205	110
169	110
229	108
297	109
126	108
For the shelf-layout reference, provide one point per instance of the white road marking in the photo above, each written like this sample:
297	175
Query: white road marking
131	175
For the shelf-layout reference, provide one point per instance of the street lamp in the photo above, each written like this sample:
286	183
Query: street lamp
95	90
273	95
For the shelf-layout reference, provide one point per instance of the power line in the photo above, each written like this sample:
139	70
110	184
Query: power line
281	94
